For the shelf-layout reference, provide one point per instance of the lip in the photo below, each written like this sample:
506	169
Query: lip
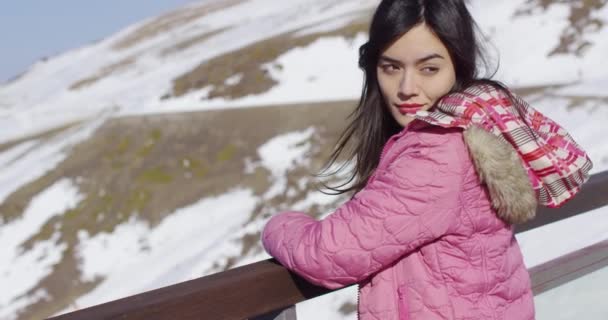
409	107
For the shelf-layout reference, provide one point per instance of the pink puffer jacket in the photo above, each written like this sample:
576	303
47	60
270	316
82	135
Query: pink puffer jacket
422	238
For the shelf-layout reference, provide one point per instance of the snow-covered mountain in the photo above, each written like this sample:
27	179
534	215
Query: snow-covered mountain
157	154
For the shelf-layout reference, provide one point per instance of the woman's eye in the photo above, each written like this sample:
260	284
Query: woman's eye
429	70
389	68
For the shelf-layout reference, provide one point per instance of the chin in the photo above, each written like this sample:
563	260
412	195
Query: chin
404	120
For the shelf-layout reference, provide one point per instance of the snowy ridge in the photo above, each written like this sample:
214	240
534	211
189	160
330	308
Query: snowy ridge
146	75
141	83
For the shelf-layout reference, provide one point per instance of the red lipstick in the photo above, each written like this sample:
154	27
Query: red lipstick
409	108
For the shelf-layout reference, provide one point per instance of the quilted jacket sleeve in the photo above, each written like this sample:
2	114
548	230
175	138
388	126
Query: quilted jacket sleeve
413	202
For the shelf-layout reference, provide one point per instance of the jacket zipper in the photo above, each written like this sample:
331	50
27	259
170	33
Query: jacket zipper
358	296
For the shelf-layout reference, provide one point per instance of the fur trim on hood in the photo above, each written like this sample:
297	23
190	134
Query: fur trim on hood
500	168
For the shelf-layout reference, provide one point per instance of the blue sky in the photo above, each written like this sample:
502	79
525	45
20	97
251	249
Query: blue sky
33	29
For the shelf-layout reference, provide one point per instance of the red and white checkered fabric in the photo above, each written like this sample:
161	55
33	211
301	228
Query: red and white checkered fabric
556	164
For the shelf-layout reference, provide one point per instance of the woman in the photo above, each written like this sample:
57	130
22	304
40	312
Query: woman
446	164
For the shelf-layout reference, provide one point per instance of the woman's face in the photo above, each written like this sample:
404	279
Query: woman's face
413	72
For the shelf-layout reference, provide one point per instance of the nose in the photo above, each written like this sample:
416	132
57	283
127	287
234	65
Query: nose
407	86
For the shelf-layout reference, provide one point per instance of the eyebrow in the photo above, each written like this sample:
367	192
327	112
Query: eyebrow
419	61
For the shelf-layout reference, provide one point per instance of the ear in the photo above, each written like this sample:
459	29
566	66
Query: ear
501	169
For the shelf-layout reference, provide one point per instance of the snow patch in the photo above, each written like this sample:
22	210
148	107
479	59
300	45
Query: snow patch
108	252
15	152
21	270
182	246
328	306
33	163
554	240
11	312
234	80
583	298
283	153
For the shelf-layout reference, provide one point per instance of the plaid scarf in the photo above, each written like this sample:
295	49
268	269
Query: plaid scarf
556	164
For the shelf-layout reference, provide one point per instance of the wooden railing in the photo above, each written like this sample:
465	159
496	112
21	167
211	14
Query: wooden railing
266	290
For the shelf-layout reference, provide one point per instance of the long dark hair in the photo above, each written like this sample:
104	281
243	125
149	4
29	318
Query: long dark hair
371	124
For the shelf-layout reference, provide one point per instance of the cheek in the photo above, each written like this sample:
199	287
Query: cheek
386	88
440	86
